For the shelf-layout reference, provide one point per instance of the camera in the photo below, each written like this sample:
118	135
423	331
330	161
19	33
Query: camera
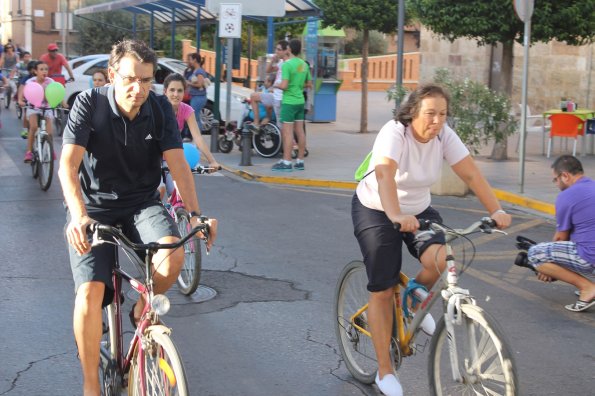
523	244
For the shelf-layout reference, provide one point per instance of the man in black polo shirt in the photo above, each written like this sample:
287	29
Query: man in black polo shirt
110	169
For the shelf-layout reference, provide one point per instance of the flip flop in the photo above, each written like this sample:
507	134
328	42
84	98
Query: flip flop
580	305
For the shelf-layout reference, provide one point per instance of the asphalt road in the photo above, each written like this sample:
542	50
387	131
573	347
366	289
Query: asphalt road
269	330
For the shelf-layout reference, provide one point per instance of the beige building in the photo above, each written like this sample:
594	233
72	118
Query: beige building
556	70
33	24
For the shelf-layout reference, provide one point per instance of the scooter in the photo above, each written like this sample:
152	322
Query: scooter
266	140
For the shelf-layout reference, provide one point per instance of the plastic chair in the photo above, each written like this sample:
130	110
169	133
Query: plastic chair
566	126
534	125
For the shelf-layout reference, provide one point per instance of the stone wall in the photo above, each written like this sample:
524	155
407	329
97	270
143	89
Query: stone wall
555	69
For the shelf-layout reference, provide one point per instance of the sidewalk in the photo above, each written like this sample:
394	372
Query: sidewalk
336	150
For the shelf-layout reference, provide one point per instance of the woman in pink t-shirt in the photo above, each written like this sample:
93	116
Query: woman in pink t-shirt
173	88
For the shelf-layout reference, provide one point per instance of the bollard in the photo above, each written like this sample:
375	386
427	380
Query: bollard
215	136
246	147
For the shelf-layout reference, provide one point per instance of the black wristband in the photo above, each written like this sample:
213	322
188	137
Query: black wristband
194	214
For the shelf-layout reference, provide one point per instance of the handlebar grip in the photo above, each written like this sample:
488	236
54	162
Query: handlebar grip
488	221
423	225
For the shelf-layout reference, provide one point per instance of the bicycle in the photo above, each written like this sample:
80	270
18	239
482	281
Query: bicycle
42	164
152	364
189	277
468	353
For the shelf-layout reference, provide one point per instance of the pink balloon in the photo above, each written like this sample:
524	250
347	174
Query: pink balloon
34	93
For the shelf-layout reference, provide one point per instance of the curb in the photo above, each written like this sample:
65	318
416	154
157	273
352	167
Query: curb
502	195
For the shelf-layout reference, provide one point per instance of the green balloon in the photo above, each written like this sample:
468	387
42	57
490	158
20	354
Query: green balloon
54	93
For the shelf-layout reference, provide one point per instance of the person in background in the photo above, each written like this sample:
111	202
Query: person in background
20	97
41	78
8	61
174	87
100	78
295	76
570	257
3	83
196	82
264	96
55	61
22	65
406	160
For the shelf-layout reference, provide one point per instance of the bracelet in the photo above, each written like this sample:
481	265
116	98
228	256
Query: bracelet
499	211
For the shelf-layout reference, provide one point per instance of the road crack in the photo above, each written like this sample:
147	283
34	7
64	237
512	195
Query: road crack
13	384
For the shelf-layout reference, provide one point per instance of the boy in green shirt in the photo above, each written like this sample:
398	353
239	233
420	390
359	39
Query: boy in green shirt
295	75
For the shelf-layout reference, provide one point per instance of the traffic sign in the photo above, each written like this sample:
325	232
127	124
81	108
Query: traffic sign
523	8
230	20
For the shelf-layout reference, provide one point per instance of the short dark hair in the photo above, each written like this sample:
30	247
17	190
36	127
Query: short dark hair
32	65
567	163
410	109
136	48
295	46
174	77
283	44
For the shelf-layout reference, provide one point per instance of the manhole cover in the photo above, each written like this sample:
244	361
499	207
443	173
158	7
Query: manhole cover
203	293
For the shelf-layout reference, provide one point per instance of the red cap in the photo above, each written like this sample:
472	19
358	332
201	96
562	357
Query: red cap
52	47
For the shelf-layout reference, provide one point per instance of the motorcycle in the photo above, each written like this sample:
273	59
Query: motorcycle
266	140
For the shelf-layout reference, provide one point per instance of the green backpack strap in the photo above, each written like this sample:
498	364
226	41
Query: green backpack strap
360	172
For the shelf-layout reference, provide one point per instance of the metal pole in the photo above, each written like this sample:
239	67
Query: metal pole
198	27
400	45
270	35
172	52
248	82
216	108
228	72
526	42
152	28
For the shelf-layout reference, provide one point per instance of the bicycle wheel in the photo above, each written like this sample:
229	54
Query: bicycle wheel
19	111
46	162
356	348
35	163
485	361
163	369
189	277
224	145
109	380
267	142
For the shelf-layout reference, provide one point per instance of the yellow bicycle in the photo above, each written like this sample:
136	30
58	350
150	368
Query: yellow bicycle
469	354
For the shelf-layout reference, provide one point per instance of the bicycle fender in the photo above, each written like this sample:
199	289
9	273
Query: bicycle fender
159	329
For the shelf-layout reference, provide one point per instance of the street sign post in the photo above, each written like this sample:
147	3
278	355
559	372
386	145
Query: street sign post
524	10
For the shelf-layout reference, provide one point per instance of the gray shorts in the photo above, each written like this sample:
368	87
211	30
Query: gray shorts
562	253
266	99
143	224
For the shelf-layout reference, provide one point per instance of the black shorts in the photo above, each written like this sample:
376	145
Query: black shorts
142	224
381	245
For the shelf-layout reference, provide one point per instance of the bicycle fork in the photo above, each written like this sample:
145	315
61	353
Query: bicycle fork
454	297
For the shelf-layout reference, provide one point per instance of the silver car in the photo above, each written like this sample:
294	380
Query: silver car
84	67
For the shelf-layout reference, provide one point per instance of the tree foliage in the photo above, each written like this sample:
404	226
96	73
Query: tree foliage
491	22
378	44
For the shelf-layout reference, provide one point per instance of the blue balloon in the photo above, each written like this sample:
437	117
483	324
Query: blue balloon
192	154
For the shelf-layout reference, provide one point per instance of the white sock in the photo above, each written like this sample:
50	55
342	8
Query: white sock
286	162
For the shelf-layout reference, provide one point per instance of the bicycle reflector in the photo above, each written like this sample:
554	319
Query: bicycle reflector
160	304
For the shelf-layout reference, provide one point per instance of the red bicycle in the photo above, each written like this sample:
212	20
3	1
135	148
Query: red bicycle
189	277
152	365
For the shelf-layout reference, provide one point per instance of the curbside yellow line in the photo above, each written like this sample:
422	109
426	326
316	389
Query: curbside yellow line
344	185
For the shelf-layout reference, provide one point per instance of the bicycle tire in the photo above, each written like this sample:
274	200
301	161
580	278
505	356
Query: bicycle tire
164	371
189	277
224	145
479	331
267	142
46	162
19	111
355	347
35	163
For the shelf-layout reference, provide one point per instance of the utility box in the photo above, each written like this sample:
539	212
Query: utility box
322	49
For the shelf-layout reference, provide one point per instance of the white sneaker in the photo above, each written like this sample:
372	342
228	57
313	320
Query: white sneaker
389	385
428	325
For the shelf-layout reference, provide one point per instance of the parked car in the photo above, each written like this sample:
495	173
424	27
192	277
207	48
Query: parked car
84	67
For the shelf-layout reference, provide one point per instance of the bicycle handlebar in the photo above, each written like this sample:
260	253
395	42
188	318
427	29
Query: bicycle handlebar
486	224
199	169
99	230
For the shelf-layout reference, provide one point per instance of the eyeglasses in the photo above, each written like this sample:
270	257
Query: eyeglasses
129	80
555	179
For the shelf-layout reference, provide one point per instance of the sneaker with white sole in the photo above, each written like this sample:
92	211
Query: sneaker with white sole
389	385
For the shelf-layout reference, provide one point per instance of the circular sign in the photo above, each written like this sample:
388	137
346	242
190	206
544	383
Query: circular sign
523	9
